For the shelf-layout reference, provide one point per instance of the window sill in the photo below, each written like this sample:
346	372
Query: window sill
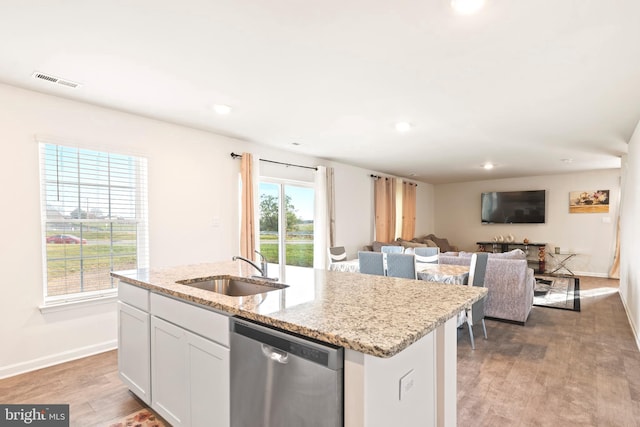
78	302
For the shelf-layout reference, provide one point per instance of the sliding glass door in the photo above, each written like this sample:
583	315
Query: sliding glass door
286	224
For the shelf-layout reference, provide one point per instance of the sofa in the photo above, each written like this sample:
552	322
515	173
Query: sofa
509	280
429	240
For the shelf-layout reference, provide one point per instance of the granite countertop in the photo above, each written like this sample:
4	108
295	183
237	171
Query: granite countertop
374	315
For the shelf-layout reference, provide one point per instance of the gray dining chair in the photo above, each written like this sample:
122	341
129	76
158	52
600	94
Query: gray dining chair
371	263
391	249
337	254
401	265
477	271
427	255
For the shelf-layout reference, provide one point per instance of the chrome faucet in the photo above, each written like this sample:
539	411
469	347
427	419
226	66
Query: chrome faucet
263	273
263	263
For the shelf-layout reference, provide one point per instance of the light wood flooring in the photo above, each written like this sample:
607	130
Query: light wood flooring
91	386
562	369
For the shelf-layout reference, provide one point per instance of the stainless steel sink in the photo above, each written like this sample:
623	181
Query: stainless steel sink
233	286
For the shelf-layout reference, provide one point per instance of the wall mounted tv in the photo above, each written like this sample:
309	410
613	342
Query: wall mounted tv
513	207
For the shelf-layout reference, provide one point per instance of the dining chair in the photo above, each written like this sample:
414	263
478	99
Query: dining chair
371	263
401	265
427	255
477	271
337	254
392	249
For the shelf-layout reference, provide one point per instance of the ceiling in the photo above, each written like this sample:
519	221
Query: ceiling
523	84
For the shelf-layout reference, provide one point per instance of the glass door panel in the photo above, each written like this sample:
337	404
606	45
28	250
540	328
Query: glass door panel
270	222
286	224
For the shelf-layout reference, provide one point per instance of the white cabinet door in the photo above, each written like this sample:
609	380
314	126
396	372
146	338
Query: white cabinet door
168	371
190	377
133	350
208	370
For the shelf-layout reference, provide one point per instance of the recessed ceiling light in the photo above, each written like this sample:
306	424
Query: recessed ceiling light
488	166
567	160
296	143
221	109
467	7
403	126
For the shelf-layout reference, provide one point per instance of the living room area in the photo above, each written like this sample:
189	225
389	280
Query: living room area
548	93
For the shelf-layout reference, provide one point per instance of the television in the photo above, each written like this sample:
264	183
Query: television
513	207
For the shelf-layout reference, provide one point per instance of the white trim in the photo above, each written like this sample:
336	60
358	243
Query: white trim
55	359
80	301
633	328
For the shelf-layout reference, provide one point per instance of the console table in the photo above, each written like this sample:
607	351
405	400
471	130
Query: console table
562	259
538	264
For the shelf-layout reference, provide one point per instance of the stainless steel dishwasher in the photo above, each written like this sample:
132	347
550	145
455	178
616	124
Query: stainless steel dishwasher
283	380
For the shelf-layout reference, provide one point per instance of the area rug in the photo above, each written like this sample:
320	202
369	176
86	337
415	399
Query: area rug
142	418
561	292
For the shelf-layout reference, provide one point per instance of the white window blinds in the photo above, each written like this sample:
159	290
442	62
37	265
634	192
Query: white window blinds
94	213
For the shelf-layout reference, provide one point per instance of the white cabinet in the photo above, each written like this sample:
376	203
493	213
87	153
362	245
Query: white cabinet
168	343
190	373
133	340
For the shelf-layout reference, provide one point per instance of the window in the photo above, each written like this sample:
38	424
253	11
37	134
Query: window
94	219
286	223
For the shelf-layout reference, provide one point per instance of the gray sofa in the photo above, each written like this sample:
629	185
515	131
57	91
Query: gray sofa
430	240
510	282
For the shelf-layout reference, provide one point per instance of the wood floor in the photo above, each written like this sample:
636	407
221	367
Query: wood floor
562	369
90	386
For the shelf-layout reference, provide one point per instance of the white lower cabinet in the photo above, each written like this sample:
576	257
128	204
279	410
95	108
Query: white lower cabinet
175	357
189	375
134	365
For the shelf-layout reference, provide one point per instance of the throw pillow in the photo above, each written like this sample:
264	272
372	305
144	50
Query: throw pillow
408	244
443	244
377	245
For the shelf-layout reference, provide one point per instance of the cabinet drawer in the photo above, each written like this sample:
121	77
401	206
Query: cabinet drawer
209	324
134	295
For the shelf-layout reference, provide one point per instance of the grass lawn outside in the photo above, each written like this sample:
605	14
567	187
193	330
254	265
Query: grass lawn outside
298	254
73	268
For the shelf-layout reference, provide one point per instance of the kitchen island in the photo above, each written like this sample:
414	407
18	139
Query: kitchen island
399	335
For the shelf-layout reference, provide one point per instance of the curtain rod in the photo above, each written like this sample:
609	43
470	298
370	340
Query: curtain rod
235	156
403	181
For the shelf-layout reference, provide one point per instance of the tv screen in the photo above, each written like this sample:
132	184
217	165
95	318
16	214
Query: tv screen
513	207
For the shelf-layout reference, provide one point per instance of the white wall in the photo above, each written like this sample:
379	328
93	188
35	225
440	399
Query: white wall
425	209
457	213
630	234
193	212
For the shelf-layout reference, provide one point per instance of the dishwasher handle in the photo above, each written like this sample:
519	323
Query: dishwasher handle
275	355
287	344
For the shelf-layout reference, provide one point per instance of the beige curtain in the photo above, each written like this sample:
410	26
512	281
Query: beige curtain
247	227
614	273
385	209
408	210
331	208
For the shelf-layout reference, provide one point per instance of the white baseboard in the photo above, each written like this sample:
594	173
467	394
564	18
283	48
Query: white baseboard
55	359
633	327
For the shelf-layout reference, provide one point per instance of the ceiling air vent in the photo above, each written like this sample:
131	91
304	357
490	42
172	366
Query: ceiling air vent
53	79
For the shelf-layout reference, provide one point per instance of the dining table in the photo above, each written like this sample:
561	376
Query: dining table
348	266
443	273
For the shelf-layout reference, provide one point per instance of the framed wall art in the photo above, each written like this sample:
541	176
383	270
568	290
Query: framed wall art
593	201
